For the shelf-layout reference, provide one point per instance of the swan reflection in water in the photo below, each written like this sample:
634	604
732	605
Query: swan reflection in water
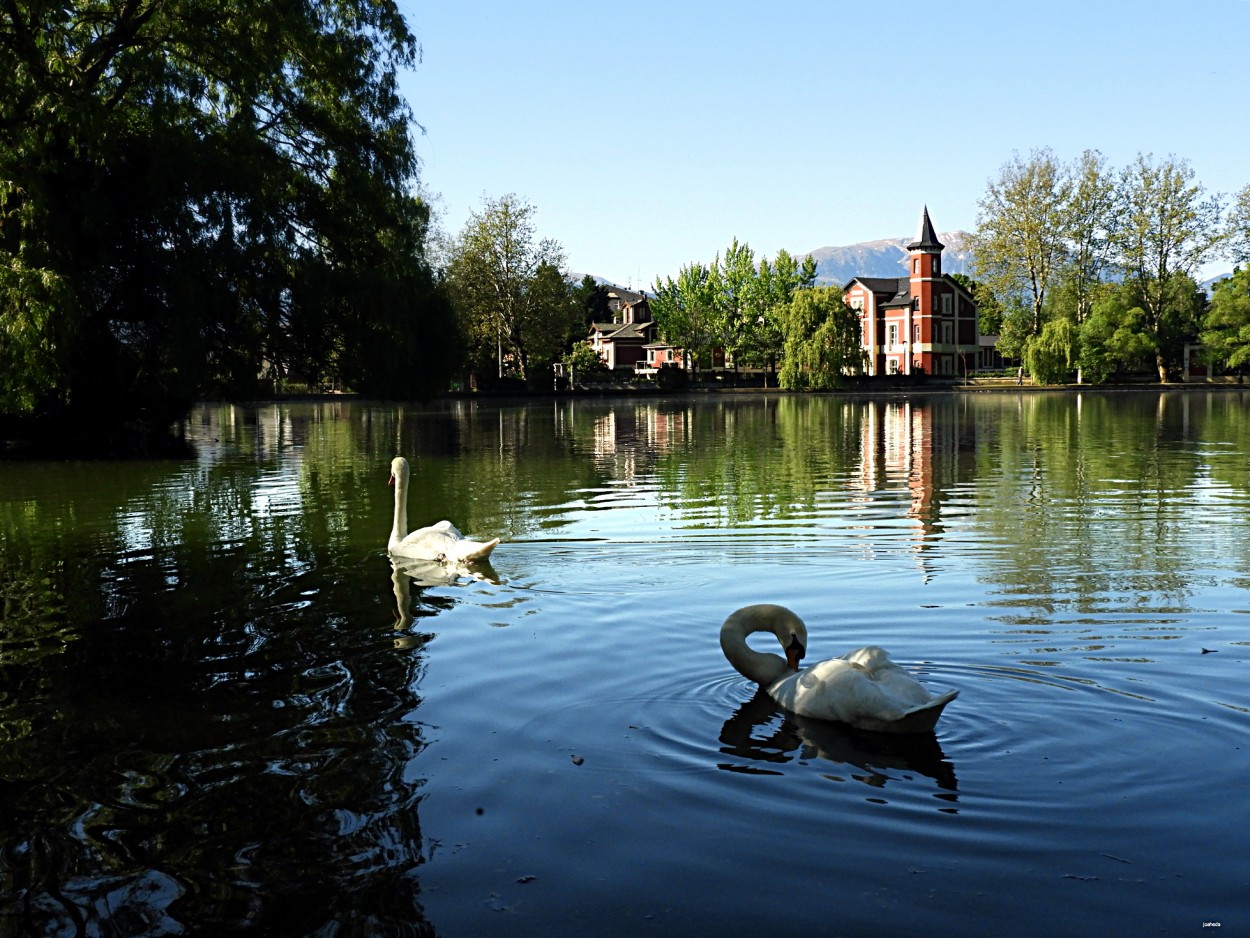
879	757
406	571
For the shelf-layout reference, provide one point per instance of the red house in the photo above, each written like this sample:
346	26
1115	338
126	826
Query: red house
923	323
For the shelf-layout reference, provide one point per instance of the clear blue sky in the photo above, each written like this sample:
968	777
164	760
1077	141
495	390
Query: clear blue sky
650	133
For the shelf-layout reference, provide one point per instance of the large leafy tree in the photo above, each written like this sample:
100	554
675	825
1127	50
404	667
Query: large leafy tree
556	321
1112	337
1170	227
1091	217
193	192
511	298
1020	243
775	287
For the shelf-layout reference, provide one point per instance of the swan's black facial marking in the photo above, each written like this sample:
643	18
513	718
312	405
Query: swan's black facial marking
794	652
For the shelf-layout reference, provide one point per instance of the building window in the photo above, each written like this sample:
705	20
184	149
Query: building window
915	304
916	339
937	266
915	265
935	303
893	333
946	303
947	333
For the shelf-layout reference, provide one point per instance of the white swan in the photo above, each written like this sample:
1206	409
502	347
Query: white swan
863	688
440	542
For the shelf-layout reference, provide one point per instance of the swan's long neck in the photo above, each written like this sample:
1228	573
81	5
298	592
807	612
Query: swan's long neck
760	666
400	526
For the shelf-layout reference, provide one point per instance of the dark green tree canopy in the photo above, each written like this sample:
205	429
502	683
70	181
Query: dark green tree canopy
193	193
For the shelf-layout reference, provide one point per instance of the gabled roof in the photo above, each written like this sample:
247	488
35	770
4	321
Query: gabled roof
889	285
897	290
926	237
617	331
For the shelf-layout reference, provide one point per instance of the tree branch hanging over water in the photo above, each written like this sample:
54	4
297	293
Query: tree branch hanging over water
193	195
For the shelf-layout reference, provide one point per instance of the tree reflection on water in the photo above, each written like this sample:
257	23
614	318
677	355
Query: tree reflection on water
191	740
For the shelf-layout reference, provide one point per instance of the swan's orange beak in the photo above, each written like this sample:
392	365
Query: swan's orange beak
794	653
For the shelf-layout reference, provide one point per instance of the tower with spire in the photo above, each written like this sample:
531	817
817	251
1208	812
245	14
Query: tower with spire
923	323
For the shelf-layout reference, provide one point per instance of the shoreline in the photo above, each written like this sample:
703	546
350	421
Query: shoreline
1003	387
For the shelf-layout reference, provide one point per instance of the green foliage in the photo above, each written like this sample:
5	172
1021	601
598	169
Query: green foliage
1050	355
763	343
732	304
1112	337
1226	328
1019	242
191	193
556	320
1091	217
822	340
1239	227
1050	235
1168	230
737	298
592	298
683	310
989	310
1015	330
512	300
584	364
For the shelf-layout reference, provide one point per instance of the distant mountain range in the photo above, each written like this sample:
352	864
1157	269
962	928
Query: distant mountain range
886	258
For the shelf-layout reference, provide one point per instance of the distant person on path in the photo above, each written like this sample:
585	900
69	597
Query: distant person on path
1020	375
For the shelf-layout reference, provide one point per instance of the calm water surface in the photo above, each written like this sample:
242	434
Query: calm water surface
223	711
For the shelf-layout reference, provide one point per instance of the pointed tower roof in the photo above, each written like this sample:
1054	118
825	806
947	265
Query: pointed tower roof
926	238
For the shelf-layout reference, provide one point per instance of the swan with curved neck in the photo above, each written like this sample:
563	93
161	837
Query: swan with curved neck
440	542
863	687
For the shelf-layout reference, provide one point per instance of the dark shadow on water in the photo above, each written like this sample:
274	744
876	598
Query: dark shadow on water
765	738
208	755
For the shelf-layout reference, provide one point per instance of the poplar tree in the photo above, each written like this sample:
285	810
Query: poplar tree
684	311
1090	221
1020	242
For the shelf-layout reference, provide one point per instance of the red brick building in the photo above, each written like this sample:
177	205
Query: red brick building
923	323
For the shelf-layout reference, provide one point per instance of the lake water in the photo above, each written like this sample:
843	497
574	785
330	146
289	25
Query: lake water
223	711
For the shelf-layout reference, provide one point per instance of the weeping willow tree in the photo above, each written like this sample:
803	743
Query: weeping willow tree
192	194
822	340
1049	355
